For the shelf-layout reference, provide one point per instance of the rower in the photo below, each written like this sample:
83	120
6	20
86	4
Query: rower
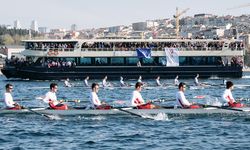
122	83
176	81
158	83
86	81
8	99
196	81
181	99
139	79
105	83
138	101
51	98
228	97
96	103
67	83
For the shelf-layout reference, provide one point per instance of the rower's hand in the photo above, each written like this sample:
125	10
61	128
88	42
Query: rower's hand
149	101
61	101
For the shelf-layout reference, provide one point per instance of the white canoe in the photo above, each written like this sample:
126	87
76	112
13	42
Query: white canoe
70	112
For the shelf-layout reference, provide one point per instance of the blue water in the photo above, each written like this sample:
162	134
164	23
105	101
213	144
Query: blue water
125	131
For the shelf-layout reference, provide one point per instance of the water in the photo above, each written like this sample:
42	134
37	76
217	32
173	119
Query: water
123	131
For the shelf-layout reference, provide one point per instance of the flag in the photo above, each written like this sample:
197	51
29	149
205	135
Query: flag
143	52
172	56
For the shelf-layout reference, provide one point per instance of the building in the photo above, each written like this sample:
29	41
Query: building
34	25
42	30
115	29
17	24
73	27
139	26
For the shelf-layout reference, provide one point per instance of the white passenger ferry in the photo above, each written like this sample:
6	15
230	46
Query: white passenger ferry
76	59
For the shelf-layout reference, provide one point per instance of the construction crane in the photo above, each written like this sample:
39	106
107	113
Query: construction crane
241	6
177	19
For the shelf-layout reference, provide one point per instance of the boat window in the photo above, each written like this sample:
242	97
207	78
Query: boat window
101	61
85	61
183	61
162	61
149	61
132	61
117	60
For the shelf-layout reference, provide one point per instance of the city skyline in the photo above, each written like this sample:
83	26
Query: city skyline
95	14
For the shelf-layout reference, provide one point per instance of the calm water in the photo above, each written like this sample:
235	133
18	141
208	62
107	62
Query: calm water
122	132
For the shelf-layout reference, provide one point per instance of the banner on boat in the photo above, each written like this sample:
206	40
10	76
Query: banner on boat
143	52
172	56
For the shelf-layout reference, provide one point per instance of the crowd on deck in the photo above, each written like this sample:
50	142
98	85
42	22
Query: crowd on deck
59	64
45	46
21	62
199	45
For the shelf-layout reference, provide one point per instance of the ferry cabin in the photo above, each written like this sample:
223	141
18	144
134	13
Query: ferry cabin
76	59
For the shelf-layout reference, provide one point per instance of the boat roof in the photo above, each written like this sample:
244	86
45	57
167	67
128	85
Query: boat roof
127	40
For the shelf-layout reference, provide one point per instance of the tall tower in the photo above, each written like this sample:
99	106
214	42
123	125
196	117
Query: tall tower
17	24
73	27
34	25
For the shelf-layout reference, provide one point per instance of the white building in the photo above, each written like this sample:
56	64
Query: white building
17	24
34	25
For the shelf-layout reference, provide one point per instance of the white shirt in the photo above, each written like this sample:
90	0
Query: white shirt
139	80
122	82
8	99
176	82
104	83
227	96
86	82
137	99
51	96
196	81
158	82
67	84
94	99
181	100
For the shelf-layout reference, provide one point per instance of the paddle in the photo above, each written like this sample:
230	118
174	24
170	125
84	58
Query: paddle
224	107
134	114
37	113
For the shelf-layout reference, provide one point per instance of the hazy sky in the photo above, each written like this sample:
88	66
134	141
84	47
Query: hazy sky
104	13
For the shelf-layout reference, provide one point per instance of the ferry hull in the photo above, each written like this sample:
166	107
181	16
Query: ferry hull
114	72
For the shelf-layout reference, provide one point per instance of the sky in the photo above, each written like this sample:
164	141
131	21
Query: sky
105	13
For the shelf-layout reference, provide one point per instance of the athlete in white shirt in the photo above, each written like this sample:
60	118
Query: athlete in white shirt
67	83
86	81
228	97
176	81
196	81
105	83
122	83
51	98
139	79
138	101
96	103
181	99
158	83
8	99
